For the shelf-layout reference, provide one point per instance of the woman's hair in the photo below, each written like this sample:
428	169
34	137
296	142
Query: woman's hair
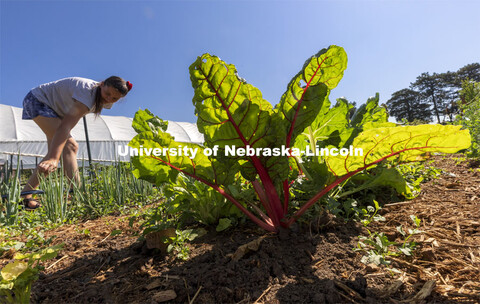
116	82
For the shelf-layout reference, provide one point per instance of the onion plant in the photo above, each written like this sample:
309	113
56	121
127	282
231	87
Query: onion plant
55	198
105	189
86	195
113	182
10	190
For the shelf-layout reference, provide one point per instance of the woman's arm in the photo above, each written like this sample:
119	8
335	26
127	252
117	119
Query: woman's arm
69	121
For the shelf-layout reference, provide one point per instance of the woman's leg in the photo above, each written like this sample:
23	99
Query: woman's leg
49	126
69	159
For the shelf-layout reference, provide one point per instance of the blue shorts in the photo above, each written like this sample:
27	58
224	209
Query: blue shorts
32	108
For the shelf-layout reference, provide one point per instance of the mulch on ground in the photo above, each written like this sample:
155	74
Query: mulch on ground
313	264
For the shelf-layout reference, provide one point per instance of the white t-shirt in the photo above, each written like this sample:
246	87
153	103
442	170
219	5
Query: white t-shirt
60	95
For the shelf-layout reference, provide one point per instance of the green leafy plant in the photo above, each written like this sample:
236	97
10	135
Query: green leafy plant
157	219
16	278
383	177
9	245
378	247
159	225
36	239
416	173
370	214
193	200
178	243
232	115
408	247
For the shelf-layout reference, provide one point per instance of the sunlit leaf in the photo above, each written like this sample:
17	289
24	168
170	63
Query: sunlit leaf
405	143
12	270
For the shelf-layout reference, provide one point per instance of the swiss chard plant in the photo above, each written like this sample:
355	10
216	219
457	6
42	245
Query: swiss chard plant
16	278
336	128
245	134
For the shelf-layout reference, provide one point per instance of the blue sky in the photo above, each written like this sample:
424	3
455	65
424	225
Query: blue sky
152	43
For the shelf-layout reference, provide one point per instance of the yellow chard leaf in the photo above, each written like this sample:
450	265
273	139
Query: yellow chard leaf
13	270
407	143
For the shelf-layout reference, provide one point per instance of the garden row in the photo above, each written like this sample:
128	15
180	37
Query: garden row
274	190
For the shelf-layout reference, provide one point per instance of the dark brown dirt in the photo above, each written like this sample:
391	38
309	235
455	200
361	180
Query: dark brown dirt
303	265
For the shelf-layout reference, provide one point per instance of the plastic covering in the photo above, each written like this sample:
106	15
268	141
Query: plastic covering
106	134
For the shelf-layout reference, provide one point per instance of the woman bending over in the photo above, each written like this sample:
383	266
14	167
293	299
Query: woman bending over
56	107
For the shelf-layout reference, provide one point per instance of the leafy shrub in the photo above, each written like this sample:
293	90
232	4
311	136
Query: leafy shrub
469	117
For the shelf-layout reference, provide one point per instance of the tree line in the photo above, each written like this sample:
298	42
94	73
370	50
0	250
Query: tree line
432	96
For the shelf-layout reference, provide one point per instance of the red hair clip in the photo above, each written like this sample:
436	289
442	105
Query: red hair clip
129	85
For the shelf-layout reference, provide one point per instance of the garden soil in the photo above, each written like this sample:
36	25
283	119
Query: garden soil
308	264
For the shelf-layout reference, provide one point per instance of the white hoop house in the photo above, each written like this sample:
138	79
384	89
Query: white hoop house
106	134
